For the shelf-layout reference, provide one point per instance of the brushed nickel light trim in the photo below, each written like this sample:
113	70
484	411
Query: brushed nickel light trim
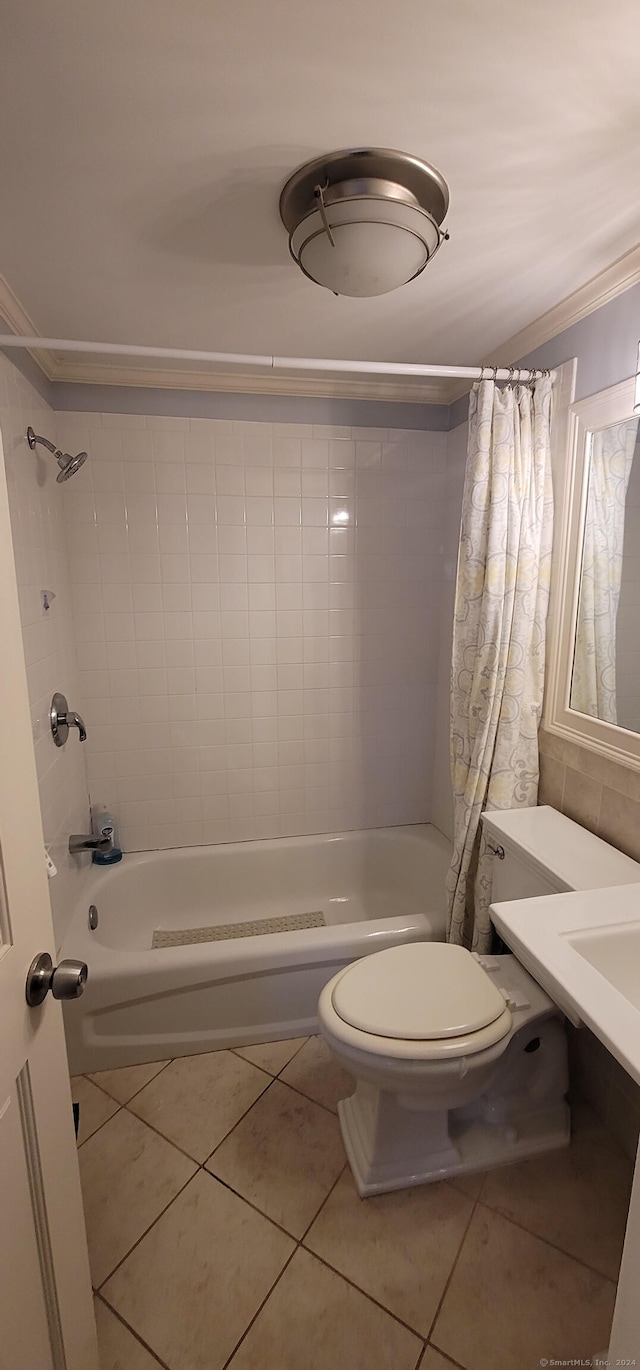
333	192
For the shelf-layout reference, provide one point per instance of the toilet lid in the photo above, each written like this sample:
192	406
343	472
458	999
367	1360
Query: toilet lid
423	991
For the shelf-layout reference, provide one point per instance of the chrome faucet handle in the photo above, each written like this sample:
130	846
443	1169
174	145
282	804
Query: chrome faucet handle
74	720
61	718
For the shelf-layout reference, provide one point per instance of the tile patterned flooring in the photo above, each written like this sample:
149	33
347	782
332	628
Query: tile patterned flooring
225	1230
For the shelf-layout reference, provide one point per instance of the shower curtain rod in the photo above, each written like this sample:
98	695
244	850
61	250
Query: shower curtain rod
472	373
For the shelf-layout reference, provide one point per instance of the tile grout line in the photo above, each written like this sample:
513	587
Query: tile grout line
298	1050
300	1242
163	1066
181	1149
239	1120
271	1079
296	1089
506	1217
163	1137
114	1313
453	1266
324	1201
200	1166
274	1080
237	1050
299	1246
118	1105
216	1179
261	1214
118	1109
455	1364
98	1288
262	1305
366	1295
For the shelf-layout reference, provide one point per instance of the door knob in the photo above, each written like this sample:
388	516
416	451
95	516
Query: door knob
66	981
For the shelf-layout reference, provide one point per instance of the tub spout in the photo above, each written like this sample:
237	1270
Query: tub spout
78	842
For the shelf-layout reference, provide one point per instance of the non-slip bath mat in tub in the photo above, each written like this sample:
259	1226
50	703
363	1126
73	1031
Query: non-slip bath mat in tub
186	937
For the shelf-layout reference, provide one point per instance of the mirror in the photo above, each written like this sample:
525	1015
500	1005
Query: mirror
605	680
592	688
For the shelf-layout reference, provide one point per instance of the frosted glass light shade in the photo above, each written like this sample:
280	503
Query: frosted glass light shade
363	221
377	246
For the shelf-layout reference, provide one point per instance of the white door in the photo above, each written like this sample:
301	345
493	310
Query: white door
46	1313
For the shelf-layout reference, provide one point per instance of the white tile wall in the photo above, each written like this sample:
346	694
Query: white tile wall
257	610
36	502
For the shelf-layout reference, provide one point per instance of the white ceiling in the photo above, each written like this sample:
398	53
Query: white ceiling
144	143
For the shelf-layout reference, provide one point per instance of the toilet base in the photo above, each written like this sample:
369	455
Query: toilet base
391	1147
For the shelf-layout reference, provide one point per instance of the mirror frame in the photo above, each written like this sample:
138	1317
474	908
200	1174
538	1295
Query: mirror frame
571	482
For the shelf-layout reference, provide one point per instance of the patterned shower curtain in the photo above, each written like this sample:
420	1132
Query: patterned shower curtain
593	685
502	592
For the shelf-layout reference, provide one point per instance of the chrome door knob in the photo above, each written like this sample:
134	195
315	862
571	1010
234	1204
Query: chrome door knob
66	981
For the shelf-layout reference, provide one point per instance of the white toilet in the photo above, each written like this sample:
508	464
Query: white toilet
460	1061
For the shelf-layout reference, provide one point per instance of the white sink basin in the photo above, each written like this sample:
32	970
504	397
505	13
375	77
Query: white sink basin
584	949
615	952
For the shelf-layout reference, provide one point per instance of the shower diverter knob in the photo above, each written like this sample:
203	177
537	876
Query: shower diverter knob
61	718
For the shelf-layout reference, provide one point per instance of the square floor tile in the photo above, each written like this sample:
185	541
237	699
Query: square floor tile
194	1282
284	1157
271	1056
315	1073
95	1107
198	1099
514	1299
128	1175
118	1349
122	1084
315	1319
397	1247
577	1198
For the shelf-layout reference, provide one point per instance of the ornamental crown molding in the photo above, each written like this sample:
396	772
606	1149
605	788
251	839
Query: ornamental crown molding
621	275
614	280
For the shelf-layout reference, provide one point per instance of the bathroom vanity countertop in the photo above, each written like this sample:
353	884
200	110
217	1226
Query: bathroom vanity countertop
584	949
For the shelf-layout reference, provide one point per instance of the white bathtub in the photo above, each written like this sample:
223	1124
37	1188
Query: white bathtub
375	888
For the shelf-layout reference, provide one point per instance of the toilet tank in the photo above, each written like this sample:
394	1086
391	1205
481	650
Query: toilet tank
540	851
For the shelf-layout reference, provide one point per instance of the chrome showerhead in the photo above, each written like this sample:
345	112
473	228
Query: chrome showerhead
68	464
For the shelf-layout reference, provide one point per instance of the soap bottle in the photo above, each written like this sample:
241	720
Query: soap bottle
104	825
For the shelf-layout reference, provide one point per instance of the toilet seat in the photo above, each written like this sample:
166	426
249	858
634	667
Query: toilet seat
423	991
419	1002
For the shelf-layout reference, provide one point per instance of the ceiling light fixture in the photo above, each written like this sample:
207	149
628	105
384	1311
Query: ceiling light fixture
364	221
